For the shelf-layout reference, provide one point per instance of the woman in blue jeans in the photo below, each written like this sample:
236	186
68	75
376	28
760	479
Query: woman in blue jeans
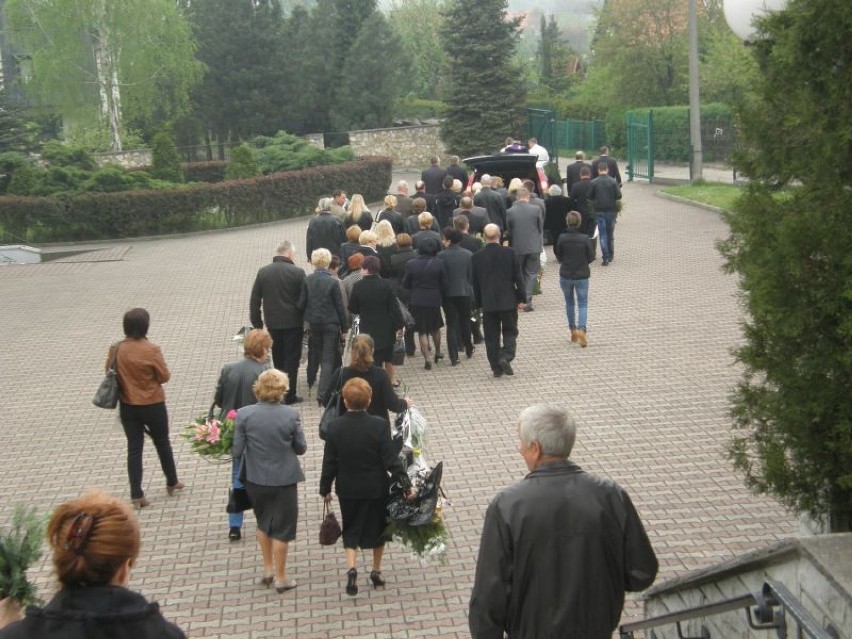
574	252
235	390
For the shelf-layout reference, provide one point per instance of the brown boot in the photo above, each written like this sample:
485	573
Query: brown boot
574	337
581	337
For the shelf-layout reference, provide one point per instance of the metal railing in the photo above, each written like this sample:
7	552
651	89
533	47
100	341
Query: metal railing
772	603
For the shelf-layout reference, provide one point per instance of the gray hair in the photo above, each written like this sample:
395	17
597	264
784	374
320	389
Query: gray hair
285	247
321	258
324	204
551	426
485	180
554	189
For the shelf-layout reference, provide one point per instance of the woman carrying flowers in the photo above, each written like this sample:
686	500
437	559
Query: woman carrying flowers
233	391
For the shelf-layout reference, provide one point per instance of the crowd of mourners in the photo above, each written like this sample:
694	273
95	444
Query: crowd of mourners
438	270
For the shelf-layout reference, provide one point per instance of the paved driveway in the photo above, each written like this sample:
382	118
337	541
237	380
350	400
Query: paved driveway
650	393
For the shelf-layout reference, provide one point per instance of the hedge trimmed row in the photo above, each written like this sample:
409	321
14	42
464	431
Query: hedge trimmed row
212	171
93	216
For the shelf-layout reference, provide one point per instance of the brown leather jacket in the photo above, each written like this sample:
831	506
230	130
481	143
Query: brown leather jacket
141	372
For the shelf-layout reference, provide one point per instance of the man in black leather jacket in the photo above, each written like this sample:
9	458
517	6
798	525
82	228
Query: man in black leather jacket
559	548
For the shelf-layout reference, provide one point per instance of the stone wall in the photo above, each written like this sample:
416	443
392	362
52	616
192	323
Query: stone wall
410	147
816	570
128	159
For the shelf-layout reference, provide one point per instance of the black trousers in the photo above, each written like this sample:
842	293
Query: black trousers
457	311
495	324
286	354
136	420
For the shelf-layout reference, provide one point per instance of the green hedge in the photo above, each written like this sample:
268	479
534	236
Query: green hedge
213	171
92	216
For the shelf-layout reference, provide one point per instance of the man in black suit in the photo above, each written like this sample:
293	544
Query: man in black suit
276	291
579	201
491	201
456	302
477	216
611	165
456	171
434	176
499	289
572	173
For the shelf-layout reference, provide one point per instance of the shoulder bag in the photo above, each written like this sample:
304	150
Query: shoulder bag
330	530
107	394
333	407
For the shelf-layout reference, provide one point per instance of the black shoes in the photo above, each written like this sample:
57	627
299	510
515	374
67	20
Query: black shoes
294	400
438	356
498	373
352	582
469	350
376	578
454	362
428	365
506	367
234	534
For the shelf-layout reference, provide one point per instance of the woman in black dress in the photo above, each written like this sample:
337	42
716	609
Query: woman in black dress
358	457
426	278
372	299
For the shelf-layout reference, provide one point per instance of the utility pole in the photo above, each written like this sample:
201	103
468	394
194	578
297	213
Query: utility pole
696	167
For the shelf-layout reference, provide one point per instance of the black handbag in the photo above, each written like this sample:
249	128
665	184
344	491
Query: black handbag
333	408
238	501
421	510
330	530
398	357
107	394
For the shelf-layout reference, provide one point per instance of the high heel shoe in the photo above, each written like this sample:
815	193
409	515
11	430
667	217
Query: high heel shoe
428	365
438	356
352	582
140	503
376	578
178	486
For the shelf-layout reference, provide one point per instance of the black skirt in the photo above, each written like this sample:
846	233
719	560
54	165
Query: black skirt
426	318
364	522
276	509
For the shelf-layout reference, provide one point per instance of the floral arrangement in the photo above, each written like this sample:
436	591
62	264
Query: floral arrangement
20	547
210	437
428	542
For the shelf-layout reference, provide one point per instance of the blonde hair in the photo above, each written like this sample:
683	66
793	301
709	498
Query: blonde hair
367	237
515	184
425	220
271	386
353	232
384	234
362	353
457	186
391	201
321	258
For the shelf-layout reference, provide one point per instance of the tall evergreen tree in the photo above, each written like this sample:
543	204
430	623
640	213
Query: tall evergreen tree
244	91
13	134
486	91
793	254
374	70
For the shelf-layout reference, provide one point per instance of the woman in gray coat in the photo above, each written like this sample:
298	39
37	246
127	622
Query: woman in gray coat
268	437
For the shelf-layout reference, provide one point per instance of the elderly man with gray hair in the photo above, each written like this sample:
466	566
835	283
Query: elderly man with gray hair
559	548
492	202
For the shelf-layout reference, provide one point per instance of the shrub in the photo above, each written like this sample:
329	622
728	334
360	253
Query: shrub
59	154
671	132
414	108
242	164
24	180
285	152
102	215
213	171
10	161
165	159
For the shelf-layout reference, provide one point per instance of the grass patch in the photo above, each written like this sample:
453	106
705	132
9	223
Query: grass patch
719	195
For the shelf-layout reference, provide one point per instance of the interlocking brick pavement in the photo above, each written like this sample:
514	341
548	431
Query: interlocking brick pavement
650	393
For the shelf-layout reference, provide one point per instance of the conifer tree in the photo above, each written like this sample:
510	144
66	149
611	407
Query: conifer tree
486	91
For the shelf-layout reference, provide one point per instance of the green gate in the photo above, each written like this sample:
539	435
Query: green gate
640	146
541	125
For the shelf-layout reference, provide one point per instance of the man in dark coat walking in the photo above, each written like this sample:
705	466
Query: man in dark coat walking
499	289
572	172
611	166
492	202
325	230
433	177
559	548
456	302
276	289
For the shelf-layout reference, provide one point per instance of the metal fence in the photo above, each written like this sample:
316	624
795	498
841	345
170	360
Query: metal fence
580	135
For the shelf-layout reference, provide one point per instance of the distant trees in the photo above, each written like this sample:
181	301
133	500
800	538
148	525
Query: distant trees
418	24
485	90
106	62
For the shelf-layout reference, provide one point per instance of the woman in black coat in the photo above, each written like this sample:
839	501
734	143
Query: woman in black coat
358	458
361	365
426	279
373	300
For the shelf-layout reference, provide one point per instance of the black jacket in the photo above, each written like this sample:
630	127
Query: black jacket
445	203
365	220
394	217
459	274
373	300
433	178
109	612
477	218
384	396
574	253
458	173
426	278
612	167
494	204
321	301
604	193
396	271
572	173
497	280
580	202
277	288
558	551
358	456
325	231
